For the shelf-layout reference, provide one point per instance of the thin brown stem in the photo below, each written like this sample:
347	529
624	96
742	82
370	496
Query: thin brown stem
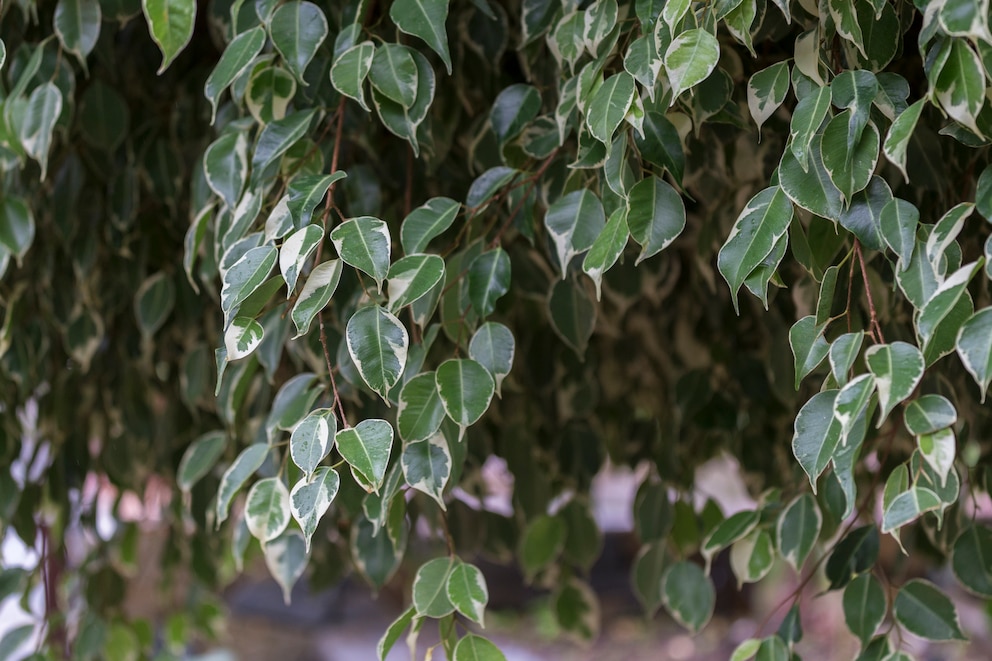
873	326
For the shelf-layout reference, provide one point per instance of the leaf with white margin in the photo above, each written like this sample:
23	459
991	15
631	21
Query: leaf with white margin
311	439
946	230
364	243
153	302
424	19
199	458
394	74
493	347
411	278
809	347
403	121
466	389
277	137
735	527
965	18
843	351
607	248
600	19
286	558
907	507
573	222
249	461
426	222
960	85
797	530
688	595
17	226
655	216
805	125
488	280
576	609
242	337
608	105
766	91
898	222
317	292
751	558
311	499
817	434
852	402
897	140
295	250
864	606
234	61
269	91
928	414
350	69
939	449
690	59
297	30
378	345
420	412
427	466
40	116
267	508
225	166
477	648
307	191
764	221
366	448
674	11
393	632
467	591
430	596
897	368
943	303
77	25
170	24
244	277
974	346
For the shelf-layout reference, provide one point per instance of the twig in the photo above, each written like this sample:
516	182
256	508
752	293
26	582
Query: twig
873	322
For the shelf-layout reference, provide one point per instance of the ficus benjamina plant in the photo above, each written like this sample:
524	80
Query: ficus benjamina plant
312	265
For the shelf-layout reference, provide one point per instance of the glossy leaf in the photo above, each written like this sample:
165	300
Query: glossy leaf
420	411
242	337
477	648
465	388
864	606
364	243
929	413
77	24
170	23
971	560
316	293
234	61
897	368
797	530
817	434
607	248
574	222
608	106
515	107
493	347
267	509
427	222
467	591
297	29
295	251
247	275
413	277
350	69
922	609
766	91
311	439
974	346
424	19
655	216
378	344
488	280
366	448
688	595
310	499
199	458
690	59
243	467
40	115
427	466
573	315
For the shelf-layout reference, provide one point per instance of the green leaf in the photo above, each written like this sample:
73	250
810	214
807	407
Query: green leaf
855	554
541	543
807	119
566	41
942	307
153	303
401	120
897	139
922	609
983	193
275	139
306	192
292	403
268	92
316	293
514	108
225	166
420	411
573	315
297	30
739	22
484	187
247	275
17	227
971	560
413	277
661	144
817	434
267	509
898	223
929	413
939	449
608	106
310	499
843	352
350	69
394	631
688	595
812	190
465	388
311	439
394	74
364	243
366	448
864	606
761	224
286	558
576	609
295	251
105	121
477	648
645	575
655	216
974	346
746	650
493	347
467	591
850	166
908	506
234	61
797	530
607	248
960	85
249	461
751	558
846	20
965	18
488	280
427	466
690	59
426	222
430	596
766	91
809	347
424	19
729	530
574	221
40	116
199	458
170	23
77	24
378	344
946	230
242	337
852	403
897	368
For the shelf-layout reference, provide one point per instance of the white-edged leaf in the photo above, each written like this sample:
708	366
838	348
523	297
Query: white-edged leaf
466	388
249	461
242	337
655	215
420	412
378	344
286	558
427	466
350	69
234	61
426	222
424	19
316	293
366	448
817	434
897	368
690	59
199	458
413	277
467	591
267	509
607	248
573	222
311	498
493	347
295	250
974	346
364	243
170	24
797	530
297	29
311	439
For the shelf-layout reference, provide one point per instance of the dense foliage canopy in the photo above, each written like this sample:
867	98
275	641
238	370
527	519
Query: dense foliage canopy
316	263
